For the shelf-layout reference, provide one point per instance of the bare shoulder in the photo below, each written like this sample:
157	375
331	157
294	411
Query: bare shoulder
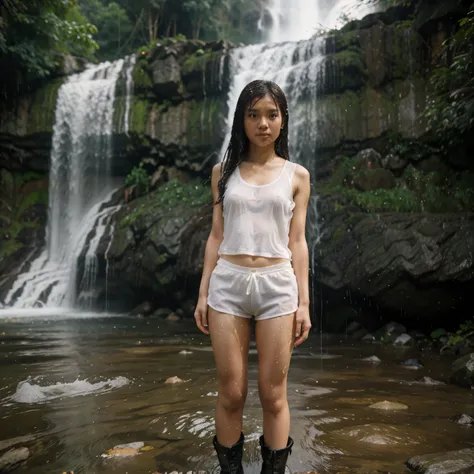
216	172
216	169
301	173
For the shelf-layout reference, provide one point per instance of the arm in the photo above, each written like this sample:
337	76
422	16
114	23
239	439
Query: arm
210	256
299	250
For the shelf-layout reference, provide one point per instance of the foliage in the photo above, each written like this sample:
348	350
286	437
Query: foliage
14	207
139	180
416	191
465	331
171	195
113	24
450	111
35	35
126	25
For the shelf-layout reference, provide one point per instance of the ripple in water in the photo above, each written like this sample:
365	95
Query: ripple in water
197	424
28	392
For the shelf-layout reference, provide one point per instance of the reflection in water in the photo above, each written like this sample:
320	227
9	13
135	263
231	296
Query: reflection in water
123	363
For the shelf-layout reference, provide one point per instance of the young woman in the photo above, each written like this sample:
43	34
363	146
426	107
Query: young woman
256	264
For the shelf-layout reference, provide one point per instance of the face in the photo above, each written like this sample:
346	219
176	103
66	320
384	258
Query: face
263	122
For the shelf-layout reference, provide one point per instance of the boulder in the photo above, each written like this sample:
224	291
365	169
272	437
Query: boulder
367	159
143	309
372	179
394	163
11	459
155	242
463	371
166	75
450	462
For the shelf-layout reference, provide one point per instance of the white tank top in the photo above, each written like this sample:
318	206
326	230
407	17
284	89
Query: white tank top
257	218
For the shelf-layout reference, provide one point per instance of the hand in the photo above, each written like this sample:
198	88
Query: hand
303	325
200	315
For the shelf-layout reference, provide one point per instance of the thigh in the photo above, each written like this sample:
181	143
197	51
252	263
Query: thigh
230	336
274	338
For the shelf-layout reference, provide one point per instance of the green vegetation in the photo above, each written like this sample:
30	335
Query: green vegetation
126	25
415	191
138	180
36	35
465	331
172	196
15	207
450	111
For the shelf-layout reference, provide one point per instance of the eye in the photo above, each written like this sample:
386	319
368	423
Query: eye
252	115
274	116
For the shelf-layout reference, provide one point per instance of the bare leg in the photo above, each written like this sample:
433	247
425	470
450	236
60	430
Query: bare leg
274	339
230	336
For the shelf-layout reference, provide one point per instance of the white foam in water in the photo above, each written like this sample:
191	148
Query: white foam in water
28	392
26	314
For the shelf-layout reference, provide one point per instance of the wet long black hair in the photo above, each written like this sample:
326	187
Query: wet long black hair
239	142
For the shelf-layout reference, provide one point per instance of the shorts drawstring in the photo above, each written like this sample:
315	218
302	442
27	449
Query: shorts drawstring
252	279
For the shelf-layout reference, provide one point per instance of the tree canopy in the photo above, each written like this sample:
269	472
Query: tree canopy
125	25
35	36
451	109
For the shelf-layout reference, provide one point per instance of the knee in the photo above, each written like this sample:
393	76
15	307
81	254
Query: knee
272	397
232	396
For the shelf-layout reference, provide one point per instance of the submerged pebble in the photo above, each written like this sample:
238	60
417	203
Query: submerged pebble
387	405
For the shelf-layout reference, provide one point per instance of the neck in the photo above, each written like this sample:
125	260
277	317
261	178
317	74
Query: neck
261	155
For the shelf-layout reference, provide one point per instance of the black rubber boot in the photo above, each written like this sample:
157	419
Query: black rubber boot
230	459
274	460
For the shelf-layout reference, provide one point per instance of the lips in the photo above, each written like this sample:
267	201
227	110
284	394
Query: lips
263	135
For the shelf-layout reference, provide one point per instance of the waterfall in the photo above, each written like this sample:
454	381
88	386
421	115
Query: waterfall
80	187
131	60
301	19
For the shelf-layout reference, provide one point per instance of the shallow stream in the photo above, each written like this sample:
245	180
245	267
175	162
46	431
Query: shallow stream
78	386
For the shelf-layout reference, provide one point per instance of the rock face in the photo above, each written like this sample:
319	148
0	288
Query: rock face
147	260
415	262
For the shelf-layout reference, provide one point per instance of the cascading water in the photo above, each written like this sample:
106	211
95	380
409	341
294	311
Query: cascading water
294	58
301	19
80	186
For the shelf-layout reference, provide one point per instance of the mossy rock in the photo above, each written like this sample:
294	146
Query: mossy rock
142	79
41	115
345	70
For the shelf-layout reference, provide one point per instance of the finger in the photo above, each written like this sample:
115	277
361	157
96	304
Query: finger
303	336
298	331
203	322
197	317
204	319
205	327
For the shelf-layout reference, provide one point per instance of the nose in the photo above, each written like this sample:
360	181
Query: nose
263	124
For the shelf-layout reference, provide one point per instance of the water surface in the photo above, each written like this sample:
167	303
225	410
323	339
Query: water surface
79	385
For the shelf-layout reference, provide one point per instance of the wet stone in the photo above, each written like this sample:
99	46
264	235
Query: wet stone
173	317
404	340
451	462
173	380
387	405
463	371
373	359
412	364
10	459
464	419
376	434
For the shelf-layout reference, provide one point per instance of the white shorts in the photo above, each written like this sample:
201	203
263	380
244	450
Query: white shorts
266	292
